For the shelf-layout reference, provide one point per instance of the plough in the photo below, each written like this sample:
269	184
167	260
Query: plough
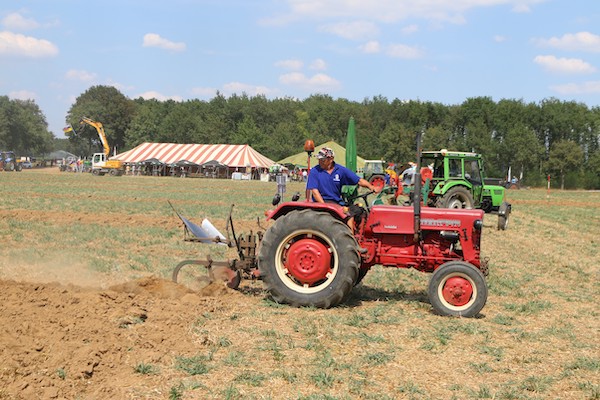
231	271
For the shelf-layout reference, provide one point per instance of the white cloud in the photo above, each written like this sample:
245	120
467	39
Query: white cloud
21	45
403	51
22	95
251	90
407	30
316	83
564	65
151	94
80	75
581	41
318	65
393	50
523	7
293	65
370	47
154	40
204	92
15	21
358	30
590	87
499	38
394	10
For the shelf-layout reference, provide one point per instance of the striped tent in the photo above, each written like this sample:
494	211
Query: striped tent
232	155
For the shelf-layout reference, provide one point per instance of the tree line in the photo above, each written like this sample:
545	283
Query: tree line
551	137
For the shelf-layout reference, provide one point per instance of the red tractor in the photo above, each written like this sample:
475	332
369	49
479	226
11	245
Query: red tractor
310	257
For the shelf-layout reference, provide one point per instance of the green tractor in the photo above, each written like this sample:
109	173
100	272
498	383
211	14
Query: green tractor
457	180
374	172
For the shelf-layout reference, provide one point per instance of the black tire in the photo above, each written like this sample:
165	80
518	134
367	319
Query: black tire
194	277
18	168
96	172
9	166
309	258
113	172
457	289
457	197
503	214
362	272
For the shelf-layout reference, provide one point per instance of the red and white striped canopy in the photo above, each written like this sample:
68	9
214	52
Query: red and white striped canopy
233	155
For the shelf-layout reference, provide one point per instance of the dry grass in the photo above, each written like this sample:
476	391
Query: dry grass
538	337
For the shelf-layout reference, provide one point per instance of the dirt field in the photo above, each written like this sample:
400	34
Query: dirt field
87	310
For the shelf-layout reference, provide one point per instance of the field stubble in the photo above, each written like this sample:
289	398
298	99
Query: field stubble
87	310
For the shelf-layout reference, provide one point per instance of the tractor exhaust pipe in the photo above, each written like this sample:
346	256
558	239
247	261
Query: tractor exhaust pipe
417	191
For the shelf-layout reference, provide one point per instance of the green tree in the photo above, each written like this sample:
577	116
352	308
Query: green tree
565	156
23	127
106	105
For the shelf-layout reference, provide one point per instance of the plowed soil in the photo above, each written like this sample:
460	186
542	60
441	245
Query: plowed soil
64	341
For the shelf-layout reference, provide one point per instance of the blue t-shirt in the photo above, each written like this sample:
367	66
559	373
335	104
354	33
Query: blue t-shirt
330	185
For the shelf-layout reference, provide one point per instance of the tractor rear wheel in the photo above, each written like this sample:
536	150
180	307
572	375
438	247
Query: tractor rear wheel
457	197
309	258
503	214
457	289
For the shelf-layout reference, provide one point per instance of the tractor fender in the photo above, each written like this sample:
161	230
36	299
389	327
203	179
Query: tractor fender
336	210
442	187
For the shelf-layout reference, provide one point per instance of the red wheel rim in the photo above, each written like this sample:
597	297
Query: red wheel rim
457	291
308	261
378	182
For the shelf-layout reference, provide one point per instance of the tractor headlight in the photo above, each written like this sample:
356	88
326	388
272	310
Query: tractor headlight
478	224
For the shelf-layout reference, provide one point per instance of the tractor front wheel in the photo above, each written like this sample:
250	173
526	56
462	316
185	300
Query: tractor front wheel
503	214
457	289
309	258
457	197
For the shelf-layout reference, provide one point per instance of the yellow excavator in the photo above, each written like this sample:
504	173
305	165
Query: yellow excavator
101	165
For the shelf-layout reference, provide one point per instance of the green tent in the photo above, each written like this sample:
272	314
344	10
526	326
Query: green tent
300	159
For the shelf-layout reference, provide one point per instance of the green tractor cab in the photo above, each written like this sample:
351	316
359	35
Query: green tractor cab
457	180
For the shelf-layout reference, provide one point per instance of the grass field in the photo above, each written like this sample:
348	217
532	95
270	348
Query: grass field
538	336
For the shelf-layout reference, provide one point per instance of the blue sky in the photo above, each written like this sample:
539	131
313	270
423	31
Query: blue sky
431	50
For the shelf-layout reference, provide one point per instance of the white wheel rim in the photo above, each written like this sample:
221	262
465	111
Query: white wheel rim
291	282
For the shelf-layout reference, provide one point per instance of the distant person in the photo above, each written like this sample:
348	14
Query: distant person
408	175
325	181
393	176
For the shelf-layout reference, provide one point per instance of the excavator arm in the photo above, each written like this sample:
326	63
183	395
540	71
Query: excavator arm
100	130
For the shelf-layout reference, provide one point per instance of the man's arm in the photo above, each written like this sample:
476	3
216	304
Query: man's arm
316	195
364	183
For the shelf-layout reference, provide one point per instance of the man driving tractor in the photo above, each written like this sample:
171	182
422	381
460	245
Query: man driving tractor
325	183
